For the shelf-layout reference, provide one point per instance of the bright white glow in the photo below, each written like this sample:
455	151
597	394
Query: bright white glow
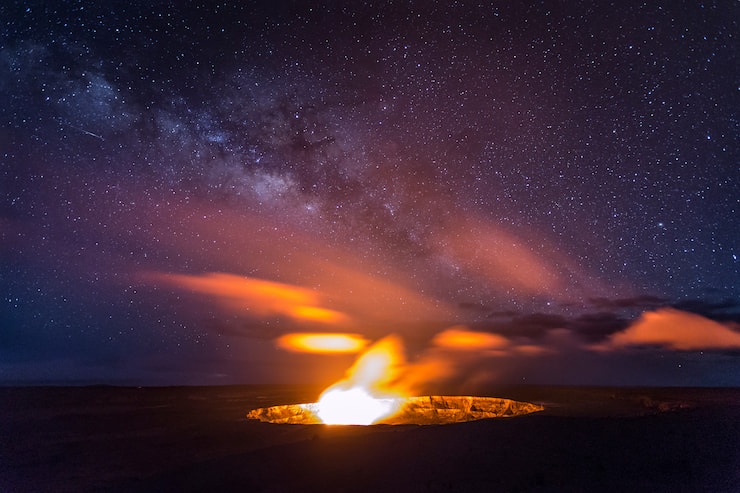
353	407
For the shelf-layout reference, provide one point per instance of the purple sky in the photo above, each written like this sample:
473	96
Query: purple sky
180	186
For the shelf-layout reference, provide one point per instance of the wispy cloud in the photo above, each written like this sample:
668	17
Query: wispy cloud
635	302
258	296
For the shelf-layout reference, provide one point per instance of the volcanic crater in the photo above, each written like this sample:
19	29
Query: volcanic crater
421	410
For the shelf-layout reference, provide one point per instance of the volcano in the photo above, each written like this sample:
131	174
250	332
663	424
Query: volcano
371	393
421	410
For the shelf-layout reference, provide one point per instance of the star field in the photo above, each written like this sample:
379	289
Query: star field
550	173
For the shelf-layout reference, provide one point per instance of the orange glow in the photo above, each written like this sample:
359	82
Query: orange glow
332	275
378	367
366	395
532	349
322	343
460	338
375	300
318	314
500	256
354	406
675	329
528	264
378	385
258	296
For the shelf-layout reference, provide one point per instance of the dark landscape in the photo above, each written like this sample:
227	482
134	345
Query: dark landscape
198	439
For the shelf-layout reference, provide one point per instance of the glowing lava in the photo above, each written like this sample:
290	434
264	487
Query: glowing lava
424	410
353	407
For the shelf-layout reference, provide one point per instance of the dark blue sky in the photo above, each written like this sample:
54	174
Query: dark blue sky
182	184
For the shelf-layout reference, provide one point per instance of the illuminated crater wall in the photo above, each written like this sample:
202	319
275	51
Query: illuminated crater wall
425	410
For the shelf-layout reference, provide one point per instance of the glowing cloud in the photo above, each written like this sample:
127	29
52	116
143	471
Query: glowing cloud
460	338
675	329
526	263
322	343
367	392
498	255
455	352
258	296
379	367
317	314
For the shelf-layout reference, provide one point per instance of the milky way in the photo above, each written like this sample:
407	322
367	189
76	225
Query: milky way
183	185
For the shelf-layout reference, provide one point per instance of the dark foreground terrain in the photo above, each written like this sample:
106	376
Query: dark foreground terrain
197	439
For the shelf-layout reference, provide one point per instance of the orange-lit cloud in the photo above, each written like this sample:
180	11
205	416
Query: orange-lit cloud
368	292
455	352
460	338
532	350
258	296
322	343
499	256
376	300
380	366
529	264
675	329
317	314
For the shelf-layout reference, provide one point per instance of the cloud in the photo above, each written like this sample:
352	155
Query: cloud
532	326
635	302
590	327
321	343
595	327
725	310
260	297
524	262
497	255
675	329
459	338
532	350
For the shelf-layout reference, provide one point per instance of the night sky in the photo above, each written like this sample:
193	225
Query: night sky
523	192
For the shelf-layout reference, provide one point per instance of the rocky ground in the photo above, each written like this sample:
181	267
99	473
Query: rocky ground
198	439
